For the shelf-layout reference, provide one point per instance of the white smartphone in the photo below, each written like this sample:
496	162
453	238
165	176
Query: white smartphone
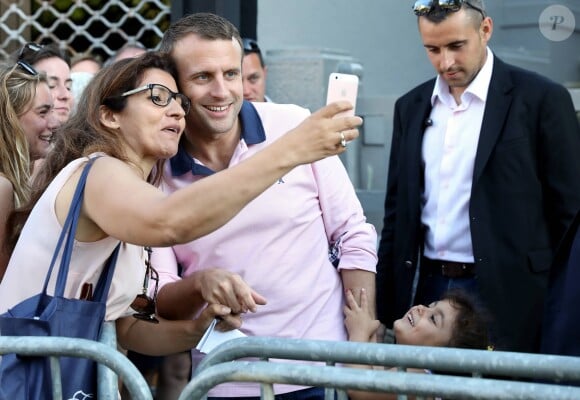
342	87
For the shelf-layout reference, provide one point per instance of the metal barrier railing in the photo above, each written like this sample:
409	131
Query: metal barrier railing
108	382
217	368
450	387
55	347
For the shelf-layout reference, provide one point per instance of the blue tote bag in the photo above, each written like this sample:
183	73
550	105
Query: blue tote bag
26	377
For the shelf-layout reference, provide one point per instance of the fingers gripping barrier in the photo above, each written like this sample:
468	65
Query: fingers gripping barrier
217	368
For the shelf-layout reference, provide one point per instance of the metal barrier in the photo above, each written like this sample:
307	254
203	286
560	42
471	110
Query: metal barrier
108	382
54	347
369	380
217	368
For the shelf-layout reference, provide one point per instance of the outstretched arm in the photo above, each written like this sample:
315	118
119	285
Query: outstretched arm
122	205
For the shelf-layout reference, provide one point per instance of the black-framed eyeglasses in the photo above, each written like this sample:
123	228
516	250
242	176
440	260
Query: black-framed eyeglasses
424	7
250	46
161	95
143	303
29	69
29	48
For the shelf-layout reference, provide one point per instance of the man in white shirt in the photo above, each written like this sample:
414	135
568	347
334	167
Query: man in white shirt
483	179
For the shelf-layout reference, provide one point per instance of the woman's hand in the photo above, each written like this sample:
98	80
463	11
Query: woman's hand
223	287
227	320
169	337
322	134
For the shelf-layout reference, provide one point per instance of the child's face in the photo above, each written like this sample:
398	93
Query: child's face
427	326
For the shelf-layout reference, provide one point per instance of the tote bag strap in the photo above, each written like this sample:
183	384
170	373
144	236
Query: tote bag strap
68	228
104	284
68	236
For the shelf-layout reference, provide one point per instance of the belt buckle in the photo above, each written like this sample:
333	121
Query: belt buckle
448	271
453	270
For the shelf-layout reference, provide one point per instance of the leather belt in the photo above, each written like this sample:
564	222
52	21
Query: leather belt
448	269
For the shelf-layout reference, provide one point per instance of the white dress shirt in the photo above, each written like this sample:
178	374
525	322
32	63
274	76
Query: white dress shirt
448	153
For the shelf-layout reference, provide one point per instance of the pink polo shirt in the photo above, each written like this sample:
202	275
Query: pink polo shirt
279	242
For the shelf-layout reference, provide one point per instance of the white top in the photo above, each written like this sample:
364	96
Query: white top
31	258
449	148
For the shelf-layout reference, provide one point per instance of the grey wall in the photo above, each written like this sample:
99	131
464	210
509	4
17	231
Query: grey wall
382	36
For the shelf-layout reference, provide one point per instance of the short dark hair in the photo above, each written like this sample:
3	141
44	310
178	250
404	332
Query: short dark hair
206	25
250	46
33	53
471	327
474	8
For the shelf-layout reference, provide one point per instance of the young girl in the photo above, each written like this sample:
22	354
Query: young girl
453	321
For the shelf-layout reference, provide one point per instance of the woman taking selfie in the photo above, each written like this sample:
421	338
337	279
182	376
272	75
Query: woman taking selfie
131	119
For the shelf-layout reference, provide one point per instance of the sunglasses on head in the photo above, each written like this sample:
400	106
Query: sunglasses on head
29	69
143	304
29	48
25	51
424	7
250	46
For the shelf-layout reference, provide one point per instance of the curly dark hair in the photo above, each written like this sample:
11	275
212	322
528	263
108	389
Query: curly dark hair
471	327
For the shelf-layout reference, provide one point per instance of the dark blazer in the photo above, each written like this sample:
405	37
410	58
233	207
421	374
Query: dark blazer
525	192
561	328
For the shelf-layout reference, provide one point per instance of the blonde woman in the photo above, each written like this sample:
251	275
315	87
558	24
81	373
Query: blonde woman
26	125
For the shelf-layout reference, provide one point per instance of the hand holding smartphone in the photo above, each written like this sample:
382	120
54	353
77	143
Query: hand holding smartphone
342	87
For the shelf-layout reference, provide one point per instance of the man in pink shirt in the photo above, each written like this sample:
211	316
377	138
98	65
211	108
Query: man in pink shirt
272	258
